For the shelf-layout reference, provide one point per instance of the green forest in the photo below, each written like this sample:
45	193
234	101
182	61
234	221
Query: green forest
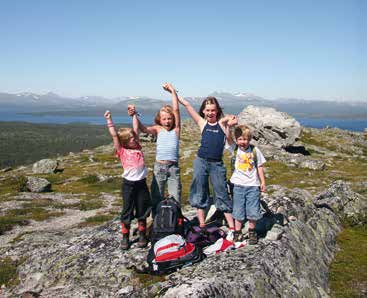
23	143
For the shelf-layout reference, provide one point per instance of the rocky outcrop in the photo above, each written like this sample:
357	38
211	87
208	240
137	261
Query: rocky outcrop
297	160
291	261
45	166
35	184
343	201
270	126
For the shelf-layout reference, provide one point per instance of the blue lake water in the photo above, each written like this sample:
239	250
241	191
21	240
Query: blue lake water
68	119
348	124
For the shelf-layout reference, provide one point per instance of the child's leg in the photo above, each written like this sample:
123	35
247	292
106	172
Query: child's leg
239	211
143	208
199	190
158	184
253	211
229	220
252	224
127	212
217	173
127	192
238	224
174	182
201	217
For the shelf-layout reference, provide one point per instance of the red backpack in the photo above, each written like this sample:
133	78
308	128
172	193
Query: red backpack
171	253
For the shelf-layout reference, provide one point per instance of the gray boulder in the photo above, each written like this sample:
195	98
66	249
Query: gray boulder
343	201
271	126
45	166
35	184
312	164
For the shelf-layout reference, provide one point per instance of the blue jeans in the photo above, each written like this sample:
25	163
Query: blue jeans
246	203
163	174
199	190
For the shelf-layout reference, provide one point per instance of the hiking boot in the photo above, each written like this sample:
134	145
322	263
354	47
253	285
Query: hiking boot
252	237
237	236
143	241
125	244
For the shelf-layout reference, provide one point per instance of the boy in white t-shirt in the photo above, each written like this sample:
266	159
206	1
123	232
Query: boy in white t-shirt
248	179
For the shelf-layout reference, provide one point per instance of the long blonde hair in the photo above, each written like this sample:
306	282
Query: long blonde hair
169	110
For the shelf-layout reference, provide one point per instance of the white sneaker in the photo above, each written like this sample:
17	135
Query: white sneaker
230	236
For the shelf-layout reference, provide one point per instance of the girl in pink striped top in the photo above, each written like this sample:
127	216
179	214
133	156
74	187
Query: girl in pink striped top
135	193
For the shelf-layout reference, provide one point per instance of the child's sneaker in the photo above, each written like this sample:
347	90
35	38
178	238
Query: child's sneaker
252	237
125	244
237	236
230	236
143	242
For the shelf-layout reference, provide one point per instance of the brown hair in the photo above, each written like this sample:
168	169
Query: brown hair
168	109
210	100
125	134
243	131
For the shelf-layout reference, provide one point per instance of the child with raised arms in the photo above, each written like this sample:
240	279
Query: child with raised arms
215	131
166	167
135	193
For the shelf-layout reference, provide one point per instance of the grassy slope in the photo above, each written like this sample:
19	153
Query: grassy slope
24	143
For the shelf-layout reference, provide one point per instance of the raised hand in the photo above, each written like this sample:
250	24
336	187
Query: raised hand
232	120
107	115
131	111
168	87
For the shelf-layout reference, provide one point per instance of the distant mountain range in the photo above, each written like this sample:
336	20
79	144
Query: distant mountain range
53	104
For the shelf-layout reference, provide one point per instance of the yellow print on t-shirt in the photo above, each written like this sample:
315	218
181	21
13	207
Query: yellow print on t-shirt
245	162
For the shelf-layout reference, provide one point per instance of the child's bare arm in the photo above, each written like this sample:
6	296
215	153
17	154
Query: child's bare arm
226	123
194	115
176	110
136	125
112	131
131	110
260	171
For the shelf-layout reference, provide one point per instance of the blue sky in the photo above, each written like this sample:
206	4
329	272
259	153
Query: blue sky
304	49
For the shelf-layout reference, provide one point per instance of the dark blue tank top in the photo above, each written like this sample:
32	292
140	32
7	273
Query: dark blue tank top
212	142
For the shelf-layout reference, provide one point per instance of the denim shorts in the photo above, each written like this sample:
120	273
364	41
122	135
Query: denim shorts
199	190
246	203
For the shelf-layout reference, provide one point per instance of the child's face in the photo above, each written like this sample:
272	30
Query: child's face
133	142
210	111
166	120
243	142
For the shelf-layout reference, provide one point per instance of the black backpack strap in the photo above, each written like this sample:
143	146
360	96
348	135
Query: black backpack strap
233	158
253	150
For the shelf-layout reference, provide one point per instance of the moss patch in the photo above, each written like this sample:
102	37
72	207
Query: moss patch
8	271
22	216
348	272
8	222
97	220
